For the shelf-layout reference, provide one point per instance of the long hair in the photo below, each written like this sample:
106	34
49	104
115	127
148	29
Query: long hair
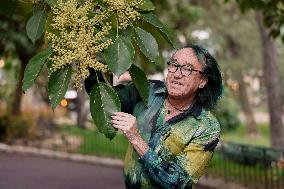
208	96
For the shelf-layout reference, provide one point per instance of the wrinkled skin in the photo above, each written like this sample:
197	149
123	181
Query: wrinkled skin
181	91
185	87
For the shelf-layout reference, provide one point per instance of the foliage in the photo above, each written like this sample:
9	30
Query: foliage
8	80
227	112
103	103
33	68
119	60
273	13
138	79
32	126
250	155
15	49
83	34
17	127
58	85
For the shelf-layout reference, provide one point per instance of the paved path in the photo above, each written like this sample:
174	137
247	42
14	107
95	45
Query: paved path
18	171
29	172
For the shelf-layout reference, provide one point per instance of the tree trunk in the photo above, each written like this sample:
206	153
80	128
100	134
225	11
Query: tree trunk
16	104
272	84
251	129
81	110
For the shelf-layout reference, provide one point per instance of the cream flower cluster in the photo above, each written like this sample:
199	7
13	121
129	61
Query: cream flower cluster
78	37
76	41
125	10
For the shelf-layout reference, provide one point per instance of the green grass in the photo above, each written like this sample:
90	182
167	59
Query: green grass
239	136
96	143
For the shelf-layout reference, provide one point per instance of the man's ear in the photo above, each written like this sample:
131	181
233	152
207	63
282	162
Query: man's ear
203	82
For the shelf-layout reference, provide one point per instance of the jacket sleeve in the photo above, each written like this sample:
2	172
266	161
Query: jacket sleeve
129	95
187	167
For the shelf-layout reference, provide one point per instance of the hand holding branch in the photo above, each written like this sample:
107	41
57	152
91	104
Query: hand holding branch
128	125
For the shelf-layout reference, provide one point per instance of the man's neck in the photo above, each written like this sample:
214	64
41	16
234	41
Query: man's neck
183	103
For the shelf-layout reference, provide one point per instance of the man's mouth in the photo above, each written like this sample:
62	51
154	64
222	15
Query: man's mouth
177	83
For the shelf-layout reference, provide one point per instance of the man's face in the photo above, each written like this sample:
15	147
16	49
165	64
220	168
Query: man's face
180	86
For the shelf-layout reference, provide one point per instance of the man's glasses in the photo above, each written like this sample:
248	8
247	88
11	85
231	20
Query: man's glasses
185	70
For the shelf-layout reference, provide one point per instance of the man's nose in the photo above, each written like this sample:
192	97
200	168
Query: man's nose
178	73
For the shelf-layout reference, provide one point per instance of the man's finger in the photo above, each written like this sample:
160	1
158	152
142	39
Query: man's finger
119	113
122	114
119	122
118	126
118	118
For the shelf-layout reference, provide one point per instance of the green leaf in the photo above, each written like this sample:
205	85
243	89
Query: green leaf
147	44
147	6
58	85
164	30
35	25
103	103
119	55
34	67
51	2
49	67
140	81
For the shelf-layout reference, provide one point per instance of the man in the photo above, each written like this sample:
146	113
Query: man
172	139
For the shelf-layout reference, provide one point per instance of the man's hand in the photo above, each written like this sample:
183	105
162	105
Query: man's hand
126	123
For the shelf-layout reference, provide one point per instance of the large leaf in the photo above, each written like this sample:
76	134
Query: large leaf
165	31
35	25
58	85
34	67
103	103
49	67
140	81
119	55
147	44
147	6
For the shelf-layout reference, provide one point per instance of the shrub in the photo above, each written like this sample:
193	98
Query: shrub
17	127
250	155
4	122
227	112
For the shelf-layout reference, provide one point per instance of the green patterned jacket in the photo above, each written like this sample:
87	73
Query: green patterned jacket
180	149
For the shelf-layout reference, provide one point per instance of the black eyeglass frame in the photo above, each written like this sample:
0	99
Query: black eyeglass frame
178	66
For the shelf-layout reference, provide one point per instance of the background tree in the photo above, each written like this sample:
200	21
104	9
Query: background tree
235	50
270	19
15	43
272	84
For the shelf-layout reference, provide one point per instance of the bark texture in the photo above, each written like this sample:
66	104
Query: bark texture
272	84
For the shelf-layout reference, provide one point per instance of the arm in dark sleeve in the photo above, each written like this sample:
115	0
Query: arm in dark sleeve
128	94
